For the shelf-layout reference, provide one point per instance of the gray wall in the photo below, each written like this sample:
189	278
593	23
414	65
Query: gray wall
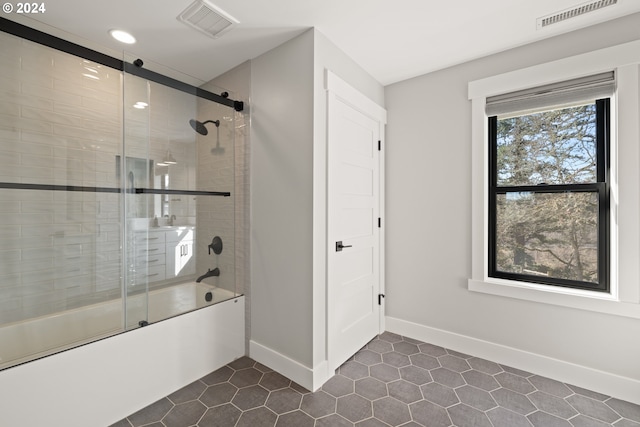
288	192
429	218
281	198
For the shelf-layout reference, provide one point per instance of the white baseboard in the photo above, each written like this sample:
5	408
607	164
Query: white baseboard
311	379
592	379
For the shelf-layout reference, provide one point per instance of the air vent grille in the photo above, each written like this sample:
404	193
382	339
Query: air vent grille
207	18
545	21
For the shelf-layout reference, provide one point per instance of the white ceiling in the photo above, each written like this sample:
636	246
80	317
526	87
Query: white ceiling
392	39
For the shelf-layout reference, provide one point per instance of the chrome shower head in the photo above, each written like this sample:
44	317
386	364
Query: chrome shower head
200	126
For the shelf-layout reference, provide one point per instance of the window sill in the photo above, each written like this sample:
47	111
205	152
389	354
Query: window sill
565	297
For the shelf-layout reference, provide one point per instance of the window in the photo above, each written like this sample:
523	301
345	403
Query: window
549	184
502	95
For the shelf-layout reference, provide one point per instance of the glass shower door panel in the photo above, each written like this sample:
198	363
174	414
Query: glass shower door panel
136	171
60	226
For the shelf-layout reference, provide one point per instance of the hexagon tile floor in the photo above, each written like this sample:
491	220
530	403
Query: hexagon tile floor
392	381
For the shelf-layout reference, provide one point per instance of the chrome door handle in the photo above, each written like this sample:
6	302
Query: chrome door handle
340	246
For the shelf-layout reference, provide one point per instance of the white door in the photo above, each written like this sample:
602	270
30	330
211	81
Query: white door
354	233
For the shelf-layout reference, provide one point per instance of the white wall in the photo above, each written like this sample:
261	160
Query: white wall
429	229
288	202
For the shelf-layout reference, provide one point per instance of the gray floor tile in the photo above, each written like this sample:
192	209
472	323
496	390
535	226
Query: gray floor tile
501	417
415	375
379	346
396	359
432	350
552	405
371	388
583	421
588	393
184	414
354	370
339	385
258	417
542	419
404	391
284	400
318	404
465	416
354	408
219	376
549	386
390	337
250	397
295	419
429	414
218	394
221	416
424	361
246	377
439	394
368	357
384	372
454	363
513	401
625	409
480	380
476	398
372	422
333	420
391	411
485	366
393	381
406	348
515	383
447	377
274	381
626	423
593	408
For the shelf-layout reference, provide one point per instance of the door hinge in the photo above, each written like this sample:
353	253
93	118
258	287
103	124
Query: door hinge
379	145
379	222
380	296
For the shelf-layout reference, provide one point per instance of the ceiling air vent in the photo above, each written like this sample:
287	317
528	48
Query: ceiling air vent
592	6
207	18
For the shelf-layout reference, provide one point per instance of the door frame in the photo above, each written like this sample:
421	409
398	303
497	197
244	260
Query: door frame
337	88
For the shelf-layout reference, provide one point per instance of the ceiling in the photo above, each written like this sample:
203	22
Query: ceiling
392	39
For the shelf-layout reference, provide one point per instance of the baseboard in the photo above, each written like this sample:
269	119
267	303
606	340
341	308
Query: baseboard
311	379
592	379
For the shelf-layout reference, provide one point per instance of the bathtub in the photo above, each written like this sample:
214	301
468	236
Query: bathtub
27	340
104	381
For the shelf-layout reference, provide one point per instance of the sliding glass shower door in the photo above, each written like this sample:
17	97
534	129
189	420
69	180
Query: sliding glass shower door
116	197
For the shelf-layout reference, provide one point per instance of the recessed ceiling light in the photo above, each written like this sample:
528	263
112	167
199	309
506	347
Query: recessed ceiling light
122	36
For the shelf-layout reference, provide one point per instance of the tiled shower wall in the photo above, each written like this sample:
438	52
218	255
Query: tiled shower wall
60	123
215	172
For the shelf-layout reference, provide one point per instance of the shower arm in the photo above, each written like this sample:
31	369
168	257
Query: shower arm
215	122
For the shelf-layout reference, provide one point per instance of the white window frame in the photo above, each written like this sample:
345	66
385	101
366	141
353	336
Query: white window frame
623	299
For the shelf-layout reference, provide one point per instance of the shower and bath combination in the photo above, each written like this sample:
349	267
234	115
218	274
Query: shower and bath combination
202	130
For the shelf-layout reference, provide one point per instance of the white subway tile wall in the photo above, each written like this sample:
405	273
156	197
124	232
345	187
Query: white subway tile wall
62	122
60	250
